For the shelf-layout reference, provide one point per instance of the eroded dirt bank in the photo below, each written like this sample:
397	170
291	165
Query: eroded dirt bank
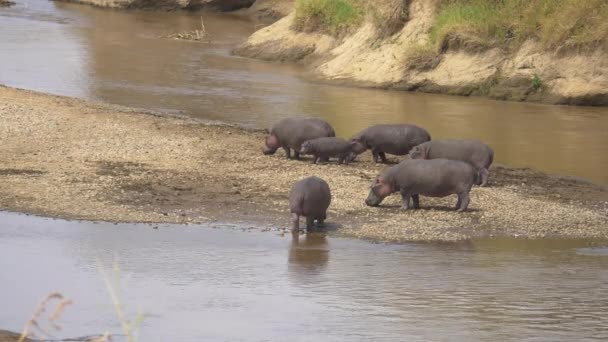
376	56
73	159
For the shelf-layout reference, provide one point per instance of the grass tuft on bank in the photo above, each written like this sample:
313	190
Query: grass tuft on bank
334	17
508	23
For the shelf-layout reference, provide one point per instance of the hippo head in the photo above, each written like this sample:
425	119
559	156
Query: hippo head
272	144
306	148
380	189
416	152
357	147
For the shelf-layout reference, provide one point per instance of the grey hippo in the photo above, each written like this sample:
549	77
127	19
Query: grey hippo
290	133
309	197
324	148
397	139
473	152
434	178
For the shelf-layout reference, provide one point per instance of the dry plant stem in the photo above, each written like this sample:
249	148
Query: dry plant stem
53	317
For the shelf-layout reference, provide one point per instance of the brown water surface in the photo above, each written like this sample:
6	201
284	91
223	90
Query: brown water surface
118	57
197	283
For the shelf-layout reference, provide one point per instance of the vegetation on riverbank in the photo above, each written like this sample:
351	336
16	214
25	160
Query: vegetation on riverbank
508	24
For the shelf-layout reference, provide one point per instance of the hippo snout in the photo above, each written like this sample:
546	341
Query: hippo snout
373	201
268	151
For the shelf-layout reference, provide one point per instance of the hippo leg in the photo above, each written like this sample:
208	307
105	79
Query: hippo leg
315	159
375	155
341	160
324	159
296	154
484	173
463	200
310	222
287	152
320	222
416	200
382	156
405	199
295	222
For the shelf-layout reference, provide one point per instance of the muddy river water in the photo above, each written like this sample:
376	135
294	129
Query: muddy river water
117	57
200	283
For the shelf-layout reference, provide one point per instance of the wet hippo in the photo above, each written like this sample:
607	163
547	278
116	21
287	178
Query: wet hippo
292	132
435	178
473	152
309	197
324	148
392	139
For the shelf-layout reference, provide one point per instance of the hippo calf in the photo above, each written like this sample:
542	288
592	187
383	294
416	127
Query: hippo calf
434	178
324	148
473	152
290	133
309	197
393	139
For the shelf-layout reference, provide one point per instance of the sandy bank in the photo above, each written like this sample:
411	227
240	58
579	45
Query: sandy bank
68	158
370	57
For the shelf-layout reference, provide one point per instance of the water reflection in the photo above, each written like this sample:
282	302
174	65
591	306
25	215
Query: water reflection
308	255
117	57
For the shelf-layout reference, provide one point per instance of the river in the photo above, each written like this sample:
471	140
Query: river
201	283
118	57
224	282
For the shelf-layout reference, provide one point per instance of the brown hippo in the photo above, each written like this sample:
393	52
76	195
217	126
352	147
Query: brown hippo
395	139
324	148
292	132
473	152
435	178
309	197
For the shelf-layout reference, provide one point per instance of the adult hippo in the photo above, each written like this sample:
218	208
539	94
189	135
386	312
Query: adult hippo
309	197
397	139
473	152
434	178
290	133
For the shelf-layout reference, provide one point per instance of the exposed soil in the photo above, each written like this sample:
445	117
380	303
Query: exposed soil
73	159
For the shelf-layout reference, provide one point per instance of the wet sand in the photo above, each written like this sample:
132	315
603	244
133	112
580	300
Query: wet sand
69	158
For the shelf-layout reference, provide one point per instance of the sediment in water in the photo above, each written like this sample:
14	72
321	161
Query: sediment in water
74	159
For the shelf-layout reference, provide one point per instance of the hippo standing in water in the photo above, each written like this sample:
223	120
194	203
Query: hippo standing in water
292	132
309	197
473	152
324	148
392	139
434	178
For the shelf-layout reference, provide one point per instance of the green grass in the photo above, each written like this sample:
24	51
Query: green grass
329	16
508	23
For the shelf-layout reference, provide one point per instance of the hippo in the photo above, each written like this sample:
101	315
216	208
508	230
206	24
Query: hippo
435	178
395	139
309	197
292	132
473	152
329	147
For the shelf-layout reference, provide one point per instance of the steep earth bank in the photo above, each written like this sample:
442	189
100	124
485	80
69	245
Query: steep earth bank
73	159
388	52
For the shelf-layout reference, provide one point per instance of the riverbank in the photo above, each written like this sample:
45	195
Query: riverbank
68	158
550	52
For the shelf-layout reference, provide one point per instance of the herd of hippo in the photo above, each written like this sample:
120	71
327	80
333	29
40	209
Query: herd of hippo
435	168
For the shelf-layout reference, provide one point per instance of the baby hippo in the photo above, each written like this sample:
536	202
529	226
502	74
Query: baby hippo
292	132
324	148
394	139
309	197
434	178
473	152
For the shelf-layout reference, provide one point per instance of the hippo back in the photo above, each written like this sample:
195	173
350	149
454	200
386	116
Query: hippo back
393	139
310	197
473	152
292	132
